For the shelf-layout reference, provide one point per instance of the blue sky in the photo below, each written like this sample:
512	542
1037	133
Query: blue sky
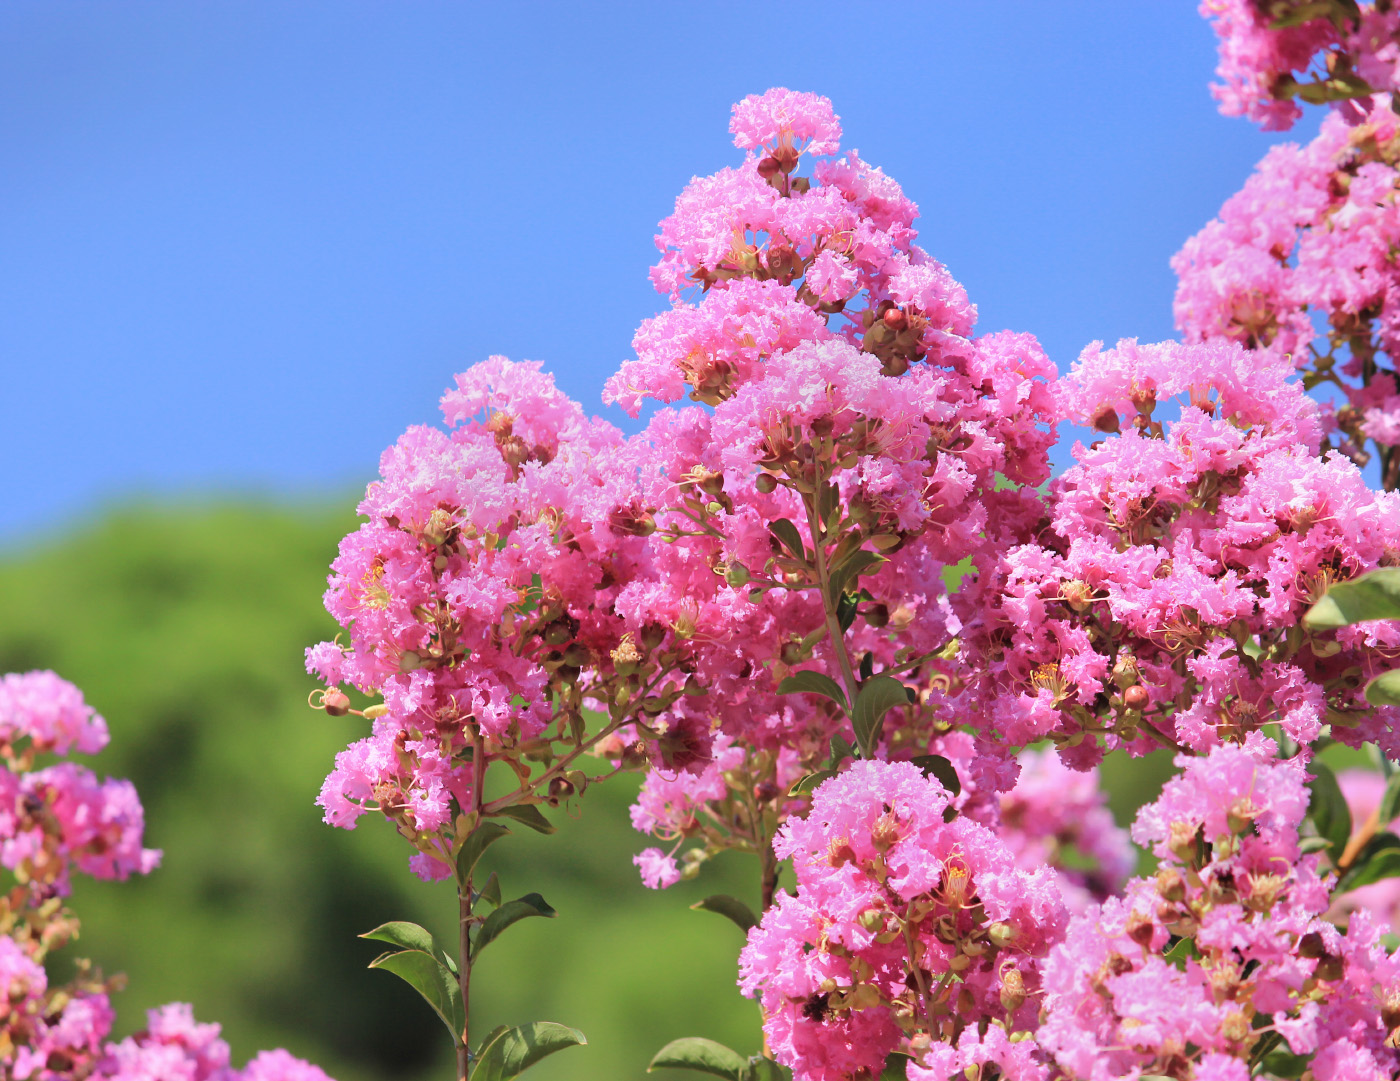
245	243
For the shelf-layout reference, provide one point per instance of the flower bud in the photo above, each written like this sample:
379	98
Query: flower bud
895	319
768	167
1140	929
765	482
1106	420
736	574
1013	990
335	703
1171	886
409	661
1001	935
1136	697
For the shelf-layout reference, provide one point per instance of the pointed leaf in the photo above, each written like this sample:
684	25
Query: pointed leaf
1384	690
810	682
508	1054
731	907
939	768
849	569
431	979
532	904
530	815
811	781
1313	844
491	892
876	698
409	936
895	1067
1328	808
1384	864
485	835
698	1053
791	539
840	751
846	608
1375	595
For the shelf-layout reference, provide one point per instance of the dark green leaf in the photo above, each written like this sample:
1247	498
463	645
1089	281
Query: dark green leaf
731	907
1284	1064
431	979
1384	690
840	751
1313	844
532	904
867	665
844	573
809	782
791	539
1328	808
529	815
1375	595
846	608
485	835
810	682
508	1054
408	936
698	1053
876	698
895	1067
938	767
1375	862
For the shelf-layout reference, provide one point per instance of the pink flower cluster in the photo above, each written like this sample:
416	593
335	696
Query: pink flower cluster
1224	955
901	922
1300	263
1159	604
1265	45
54	819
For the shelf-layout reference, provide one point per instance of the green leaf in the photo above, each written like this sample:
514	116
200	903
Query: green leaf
409	936
491	892
1375	595
760	1068
1328	808
810	682
510	1052
477	842
857	563
1390	802
938	767
895	1067
846	608
1313	844
530	815
532	904
840	751
1379	859
791	539
698	1053
1284	1063
876	698
431	979
731	907
809	782
1384	690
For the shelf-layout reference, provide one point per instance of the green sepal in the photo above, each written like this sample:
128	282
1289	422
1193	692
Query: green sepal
1328	809
532	904
729	907
698	1053
480	839
939	768
1375	595
507	1053
809	682
876	698
431	979
528	814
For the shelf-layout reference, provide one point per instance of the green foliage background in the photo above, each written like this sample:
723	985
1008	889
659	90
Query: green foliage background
185	627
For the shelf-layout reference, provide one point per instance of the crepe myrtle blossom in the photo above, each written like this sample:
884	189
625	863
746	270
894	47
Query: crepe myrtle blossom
892	903
1253	956
1161	602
